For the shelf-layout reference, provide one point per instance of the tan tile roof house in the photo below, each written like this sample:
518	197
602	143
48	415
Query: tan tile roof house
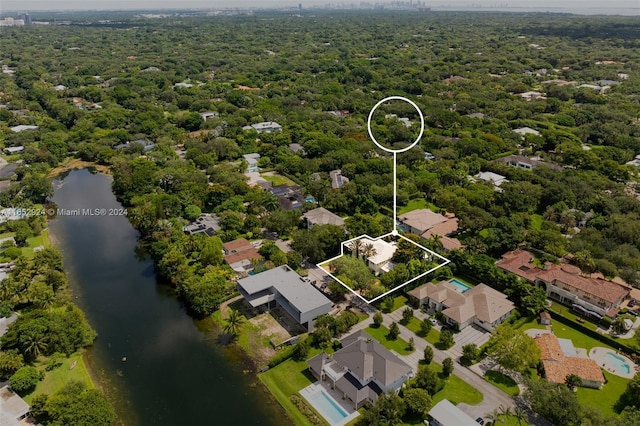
481	305
557	366
427	224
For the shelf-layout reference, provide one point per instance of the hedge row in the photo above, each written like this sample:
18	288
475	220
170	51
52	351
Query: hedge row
308	412
282	355
594	334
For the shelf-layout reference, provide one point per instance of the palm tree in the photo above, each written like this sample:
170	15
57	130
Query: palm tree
34	344
356	247
505	411
494	416
521	416
368	250
234	321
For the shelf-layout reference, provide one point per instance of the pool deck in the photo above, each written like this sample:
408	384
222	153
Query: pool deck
598	354
346	405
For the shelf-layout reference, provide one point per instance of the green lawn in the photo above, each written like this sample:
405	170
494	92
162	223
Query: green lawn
605	398
277	179
288	379
398	302
566	332
536	222
572	315
416	204
456	390
501	381
55	379
400	346
432	337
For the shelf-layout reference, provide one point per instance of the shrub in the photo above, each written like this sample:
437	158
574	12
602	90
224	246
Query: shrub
425	327
394	331
446	340
377	319
283	355
304	409
428	355
407	314
24	380
447	367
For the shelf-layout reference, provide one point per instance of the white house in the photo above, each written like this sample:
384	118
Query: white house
444	413
378	253
264	127
209	114
22	128
526	131
252	162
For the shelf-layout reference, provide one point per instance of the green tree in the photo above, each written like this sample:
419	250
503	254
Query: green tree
377	319
428	354
417	401
428	380
24	379
470	353
233	322
192	212
407	314
425	327
412	344
446	340
631	395
572	381
387	304
75	405
447	367
11	360
513	349
554	402
211	252
394	331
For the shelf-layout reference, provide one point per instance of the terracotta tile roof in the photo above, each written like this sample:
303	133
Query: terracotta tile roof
557	366
603	289
238	250
519	262
449	243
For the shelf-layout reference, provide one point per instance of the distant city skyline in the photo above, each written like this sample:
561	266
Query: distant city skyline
35	5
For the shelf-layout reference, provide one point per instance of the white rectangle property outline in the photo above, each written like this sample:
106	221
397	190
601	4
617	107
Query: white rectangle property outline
395	234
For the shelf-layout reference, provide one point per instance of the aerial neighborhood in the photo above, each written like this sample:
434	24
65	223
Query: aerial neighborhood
319	217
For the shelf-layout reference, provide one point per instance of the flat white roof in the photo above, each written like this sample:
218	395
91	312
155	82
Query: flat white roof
447	414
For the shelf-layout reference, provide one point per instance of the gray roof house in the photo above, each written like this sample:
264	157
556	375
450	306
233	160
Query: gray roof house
252	162
362	369
146	145
207	224
444	413
337	180
322	216
22	128
13	149
264	127
283	287
12	407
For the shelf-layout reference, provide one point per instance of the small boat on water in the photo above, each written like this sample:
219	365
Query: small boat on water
124	359
73	365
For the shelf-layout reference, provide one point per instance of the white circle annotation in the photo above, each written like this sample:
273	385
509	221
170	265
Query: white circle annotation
399	98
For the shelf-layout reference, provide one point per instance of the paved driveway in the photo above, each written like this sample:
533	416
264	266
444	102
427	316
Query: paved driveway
471	334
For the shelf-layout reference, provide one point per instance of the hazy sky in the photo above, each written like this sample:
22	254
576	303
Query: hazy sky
6	5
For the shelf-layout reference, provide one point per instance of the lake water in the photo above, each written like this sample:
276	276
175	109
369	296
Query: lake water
175	371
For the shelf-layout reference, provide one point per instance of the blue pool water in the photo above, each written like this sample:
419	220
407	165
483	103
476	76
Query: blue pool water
328	407
459	285
618	363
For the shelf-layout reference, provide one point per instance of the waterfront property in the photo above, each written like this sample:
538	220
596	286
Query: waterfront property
561	359
613	362
463	306
362	370
283	287
444	413
564	283
334	412
240	254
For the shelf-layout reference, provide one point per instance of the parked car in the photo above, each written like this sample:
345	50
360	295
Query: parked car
632	303
479	420
433	321
634	313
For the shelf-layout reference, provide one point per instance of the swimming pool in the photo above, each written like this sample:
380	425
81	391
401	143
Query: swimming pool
618	363
459	285
328	407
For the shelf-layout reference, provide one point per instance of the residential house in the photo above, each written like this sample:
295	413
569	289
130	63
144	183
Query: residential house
403	120
428	224
444	413
378	253
252	162
476	115
183	85
13	409
146	145
564	283
635	161
560	359
289	197
493	178
533	95
362	370
239	255
14	149
526	131
297	149
339	113
209	114
264	127
522	162
207	224
337	180
480	305
322	216
283	287
22	128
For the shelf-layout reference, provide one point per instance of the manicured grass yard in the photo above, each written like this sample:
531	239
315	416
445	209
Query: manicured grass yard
277	179
55	379
605	398
380	334
288	379
536	222
432	337
398	302
419	203
456	390
501	381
